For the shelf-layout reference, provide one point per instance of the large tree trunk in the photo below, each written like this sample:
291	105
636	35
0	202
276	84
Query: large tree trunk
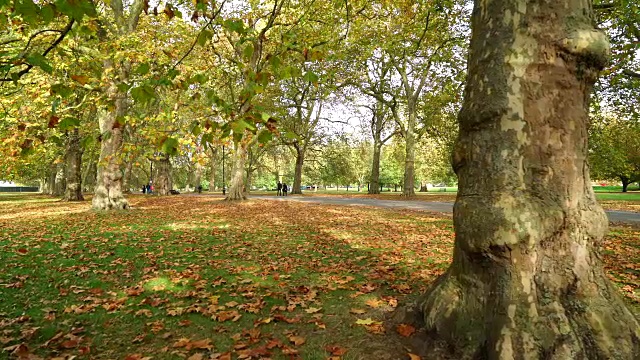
297	178
108	191
74	167
374	180
236	187
163	184
526	280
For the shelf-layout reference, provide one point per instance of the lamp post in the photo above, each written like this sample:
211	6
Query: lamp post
224	190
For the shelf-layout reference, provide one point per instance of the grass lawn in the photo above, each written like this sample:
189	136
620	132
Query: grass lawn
199	278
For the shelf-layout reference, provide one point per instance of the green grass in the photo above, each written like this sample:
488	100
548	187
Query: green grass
614	188
138	281
629	196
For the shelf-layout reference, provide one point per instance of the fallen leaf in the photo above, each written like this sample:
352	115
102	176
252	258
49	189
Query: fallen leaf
297	340
405	330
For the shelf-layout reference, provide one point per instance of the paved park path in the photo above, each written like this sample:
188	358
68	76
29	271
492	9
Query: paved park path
437	206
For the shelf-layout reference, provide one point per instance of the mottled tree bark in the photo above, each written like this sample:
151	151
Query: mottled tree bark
163	184
236	187
527	280
374	180
74	167
108	191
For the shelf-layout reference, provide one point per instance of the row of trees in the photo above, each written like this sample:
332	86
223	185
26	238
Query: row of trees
126	85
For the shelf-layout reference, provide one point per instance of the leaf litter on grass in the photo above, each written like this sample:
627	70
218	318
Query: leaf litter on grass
195	277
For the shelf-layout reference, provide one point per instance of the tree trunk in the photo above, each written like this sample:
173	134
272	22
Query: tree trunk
74	167
526	280
212	178
423	187
89	173
410	155
297	177
237	174
51	179
625	183
163	183
374	180
197	178
108	191
60	183
247	185
128	170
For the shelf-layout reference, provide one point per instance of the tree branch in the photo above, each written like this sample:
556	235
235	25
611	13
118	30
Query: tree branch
61	37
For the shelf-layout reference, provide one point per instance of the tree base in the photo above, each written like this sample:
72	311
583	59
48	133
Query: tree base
587	320
235	196
102	201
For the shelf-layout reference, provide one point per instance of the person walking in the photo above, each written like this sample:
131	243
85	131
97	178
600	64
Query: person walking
284	189
279	188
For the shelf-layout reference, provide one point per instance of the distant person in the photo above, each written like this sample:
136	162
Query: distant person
152	189
199	189
148	189
144	189
284	189
279	188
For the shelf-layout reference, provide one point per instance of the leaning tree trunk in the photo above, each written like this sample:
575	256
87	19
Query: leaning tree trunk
236	187
527	280
128	173
108	191
297	178
74	167
163	183
410	155
374	180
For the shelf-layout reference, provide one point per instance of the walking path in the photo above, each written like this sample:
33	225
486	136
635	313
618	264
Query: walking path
437	206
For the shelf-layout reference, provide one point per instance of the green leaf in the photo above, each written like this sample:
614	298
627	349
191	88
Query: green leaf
48	13
68	123
123	87
87	142
311	77
240	125
204	36
290	135
196	129
234	25
248	52
38	60
198	78
143	94
265	116
170	146
61	90
142	69
207	138
264	136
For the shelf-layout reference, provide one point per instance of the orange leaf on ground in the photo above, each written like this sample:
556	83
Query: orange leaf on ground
405	330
